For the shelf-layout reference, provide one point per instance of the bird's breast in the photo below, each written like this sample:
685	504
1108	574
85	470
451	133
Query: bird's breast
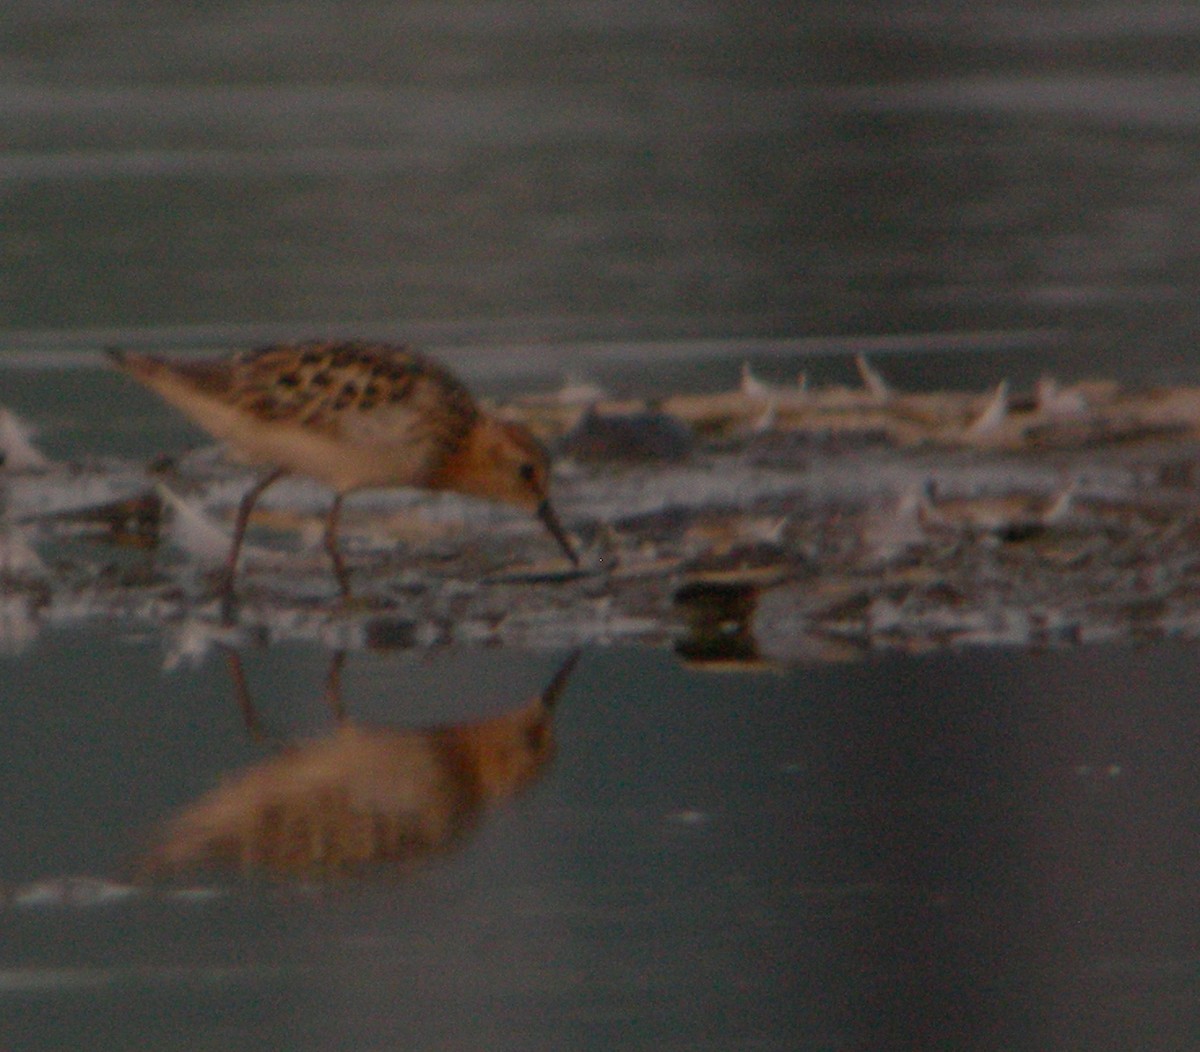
344	455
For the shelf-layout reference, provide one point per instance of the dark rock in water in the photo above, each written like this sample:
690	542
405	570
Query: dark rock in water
390	633
716	618
628	437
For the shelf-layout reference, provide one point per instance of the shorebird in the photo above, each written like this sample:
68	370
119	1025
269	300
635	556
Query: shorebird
352	416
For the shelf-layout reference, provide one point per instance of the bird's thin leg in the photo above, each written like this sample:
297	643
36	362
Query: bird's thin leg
333	686
241	692
239	533
331	546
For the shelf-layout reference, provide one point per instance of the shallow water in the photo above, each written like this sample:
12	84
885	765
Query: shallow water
982	849
847	856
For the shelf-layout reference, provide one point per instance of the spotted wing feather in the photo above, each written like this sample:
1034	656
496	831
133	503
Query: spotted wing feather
360	393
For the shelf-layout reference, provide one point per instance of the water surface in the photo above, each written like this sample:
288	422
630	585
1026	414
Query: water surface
855	856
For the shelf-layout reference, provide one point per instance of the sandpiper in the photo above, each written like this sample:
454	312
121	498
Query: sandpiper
352	416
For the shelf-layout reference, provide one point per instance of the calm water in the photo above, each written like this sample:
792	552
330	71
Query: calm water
989	850
505	174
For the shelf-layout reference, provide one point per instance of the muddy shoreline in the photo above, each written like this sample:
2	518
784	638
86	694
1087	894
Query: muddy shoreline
761	526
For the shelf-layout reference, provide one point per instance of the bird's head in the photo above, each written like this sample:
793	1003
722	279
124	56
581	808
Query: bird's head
502	461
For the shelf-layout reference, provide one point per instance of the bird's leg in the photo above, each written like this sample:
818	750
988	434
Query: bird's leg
241	692
333	686
331	546
239	533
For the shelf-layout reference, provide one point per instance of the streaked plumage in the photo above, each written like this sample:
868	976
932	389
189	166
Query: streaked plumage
360	795
352	416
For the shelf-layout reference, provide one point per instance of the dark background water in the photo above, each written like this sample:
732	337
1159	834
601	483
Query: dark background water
508	173
983	850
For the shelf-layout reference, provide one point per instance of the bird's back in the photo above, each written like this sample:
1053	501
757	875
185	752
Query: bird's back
349	414
334	384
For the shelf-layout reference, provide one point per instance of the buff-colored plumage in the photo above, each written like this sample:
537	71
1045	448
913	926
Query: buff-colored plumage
362	795
352	416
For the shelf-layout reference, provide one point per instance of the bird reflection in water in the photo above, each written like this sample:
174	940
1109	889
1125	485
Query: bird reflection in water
361	795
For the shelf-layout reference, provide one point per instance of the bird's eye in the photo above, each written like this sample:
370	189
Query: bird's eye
527	472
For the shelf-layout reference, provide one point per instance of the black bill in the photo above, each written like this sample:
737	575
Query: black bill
545	512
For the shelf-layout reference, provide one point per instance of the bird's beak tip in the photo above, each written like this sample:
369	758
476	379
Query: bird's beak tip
545	512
